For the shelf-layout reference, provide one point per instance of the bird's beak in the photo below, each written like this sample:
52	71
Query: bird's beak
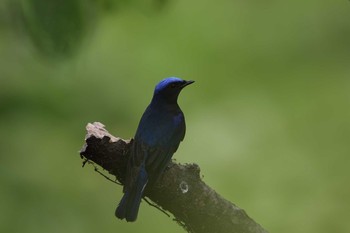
186	83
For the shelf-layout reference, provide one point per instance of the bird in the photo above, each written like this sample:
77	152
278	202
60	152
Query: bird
161	129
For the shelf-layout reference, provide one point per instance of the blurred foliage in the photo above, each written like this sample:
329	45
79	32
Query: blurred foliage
268	119
55	27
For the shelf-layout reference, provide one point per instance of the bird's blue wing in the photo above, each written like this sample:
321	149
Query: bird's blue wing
159	156
136	160
158	137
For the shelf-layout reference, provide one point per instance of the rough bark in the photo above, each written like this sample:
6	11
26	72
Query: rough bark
181	191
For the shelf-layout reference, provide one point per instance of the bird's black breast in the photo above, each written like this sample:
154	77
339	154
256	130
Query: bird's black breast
161	128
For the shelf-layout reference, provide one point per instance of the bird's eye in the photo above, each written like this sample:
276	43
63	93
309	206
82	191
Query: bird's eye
173	85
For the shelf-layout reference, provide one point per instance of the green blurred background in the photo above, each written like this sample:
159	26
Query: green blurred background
268	119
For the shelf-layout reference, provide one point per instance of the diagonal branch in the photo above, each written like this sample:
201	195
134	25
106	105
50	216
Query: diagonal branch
195	206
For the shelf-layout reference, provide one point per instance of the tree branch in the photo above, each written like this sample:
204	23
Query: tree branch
196	207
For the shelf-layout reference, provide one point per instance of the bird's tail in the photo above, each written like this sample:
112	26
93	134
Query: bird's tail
128	207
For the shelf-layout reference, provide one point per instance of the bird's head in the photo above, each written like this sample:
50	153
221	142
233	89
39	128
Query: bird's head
169	89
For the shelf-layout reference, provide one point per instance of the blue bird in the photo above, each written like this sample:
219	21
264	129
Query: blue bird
160	131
